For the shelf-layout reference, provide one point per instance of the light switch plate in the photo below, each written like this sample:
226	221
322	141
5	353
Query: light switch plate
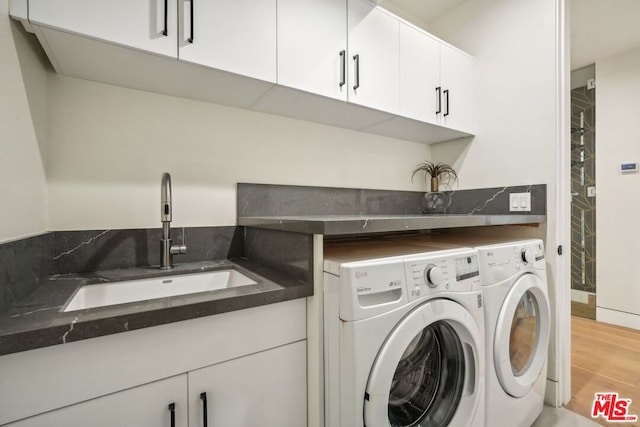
519	202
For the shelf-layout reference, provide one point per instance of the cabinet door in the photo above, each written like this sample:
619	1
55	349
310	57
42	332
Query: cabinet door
312	46
237	36
373	57
147	25
456	75
419	75
262	389
144	406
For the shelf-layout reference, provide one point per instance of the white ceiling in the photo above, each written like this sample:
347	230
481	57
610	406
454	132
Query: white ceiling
602	28
599	28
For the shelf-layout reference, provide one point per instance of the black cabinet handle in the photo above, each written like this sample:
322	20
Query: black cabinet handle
203	397
343	66
190	39
356	61
172	410
438	100
164	32
446	98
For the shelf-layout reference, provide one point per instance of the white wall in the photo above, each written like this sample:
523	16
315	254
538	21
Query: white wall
515	109
516	49
110	145
581	76
23	187
618	199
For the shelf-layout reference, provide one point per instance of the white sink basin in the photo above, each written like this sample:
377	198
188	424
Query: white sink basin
103	294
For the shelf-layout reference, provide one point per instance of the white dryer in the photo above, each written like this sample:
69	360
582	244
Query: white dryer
404	340
517	326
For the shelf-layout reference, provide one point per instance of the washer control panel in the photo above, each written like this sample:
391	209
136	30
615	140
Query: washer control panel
500	262
429	275
467	267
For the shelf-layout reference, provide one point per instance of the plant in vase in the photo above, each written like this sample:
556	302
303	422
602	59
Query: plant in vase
437	173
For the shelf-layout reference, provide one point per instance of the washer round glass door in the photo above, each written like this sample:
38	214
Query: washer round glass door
522	335
428	371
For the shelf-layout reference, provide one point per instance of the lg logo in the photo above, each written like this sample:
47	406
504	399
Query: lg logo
361	274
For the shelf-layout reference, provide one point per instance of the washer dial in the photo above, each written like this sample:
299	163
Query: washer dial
527	255
433	276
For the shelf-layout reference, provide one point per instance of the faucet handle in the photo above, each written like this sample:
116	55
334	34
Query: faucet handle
165	198
178	249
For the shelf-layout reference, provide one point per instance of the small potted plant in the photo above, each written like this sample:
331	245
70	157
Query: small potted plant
436	174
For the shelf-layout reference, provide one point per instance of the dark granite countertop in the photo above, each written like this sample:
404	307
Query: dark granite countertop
357	224
38	321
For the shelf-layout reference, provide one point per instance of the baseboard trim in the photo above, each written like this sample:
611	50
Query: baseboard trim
552	394
580	296
620	318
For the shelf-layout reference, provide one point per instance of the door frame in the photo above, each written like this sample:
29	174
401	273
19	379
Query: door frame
561	289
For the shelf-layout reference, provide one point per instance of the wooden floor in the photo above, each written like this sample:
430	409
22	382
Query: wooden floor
604	358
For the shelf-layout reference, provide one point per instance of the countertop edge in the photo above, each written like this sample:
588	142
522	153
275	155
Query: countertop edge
332	225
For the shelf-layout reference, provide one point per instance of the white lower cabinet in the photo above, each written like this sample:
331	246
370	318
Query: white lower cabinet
266	388
144	406
263	389
252	365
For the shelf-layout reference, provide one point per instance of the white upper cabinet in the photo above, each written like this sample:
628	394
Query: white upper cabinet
237	36
312	46
419	74
436	81
373	57
146	25
328	59
457	75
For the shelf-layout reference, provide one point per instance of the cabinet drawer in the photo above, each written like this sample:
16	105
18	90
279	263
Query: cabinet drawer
143	406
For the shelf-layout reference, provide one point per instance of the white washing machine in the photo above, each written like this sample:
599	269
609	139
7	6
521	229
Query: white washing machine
517	323
404	339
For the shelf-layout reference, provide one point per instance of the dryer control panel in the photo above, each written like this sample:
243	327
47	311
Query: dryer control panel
503	261
427	276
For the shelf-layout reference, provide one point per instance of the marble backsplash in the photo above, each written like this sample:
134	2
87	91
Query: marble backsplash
259	200
289	253
81	251
23	263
